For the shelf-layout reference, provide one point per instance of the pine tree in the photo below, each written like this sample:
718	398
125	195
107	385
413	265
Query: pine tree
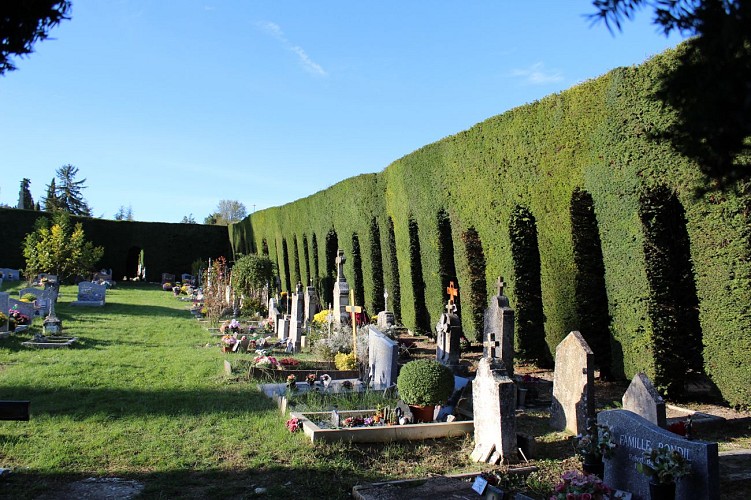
25	201
50	200
68	192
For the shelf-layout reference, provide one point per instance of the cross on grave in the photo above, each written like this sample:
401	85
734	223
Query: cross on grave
501	285
492	346
353	310
385	300
452	291
340	260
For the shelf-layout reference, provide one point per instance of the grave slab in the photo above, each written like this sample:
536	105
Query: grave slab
635	435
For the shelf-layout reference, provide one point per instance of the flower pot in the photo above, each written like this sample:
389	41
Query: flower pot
593	465
423	414
661	491
226	348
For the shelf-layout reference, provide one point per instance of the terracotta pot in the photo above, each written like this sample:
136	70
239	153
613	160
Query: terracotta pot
226	348
423	414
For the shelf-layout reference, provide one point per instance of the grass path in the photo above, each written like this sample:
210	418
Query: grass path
142	397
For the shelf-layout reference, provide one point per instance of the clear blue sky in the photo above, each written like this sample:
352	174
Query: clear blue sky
172	105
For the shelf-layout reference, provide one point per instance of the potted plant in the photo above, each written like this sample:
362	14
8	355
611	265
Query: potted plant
663	466
594	445
227	342
423	384
291	382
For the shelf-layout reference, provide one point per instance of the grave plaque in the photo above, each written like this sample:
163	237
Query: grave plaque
494	413
635	435
282	331
642	398
383	354
573	385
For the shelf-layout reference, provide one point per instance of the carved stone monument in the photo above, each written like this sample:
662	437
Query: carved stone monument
573	385
297	318
499	330
642	398
449	332
494	413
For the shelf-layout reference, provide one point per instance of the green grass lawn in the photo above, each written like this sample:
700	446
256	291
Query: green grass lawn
142	397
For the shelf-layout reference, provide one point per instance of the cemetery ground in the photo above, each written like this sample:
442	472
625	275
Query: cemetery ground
143	398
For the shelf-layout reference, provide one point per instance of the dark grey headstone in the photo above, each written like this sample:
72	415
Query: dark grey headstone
297	318
573	385
499	332
4	298
642	398
311	304
91	292
494	412
634	435
383	354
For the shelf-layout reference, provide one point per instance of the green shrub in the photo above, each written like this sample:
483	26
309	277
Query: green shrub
425	382
345	361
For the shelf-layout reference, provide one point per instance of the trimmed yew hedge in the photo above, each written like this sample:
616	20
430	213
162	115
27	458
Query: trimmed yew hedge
596	137
168	248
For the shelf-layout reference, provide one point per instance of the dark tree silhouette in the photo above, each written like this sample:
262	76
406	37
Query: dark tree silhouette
24	23
25	201
68	191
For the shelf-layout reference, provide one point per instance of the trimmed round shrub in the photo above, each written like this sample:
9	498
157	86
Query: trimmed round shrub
425	382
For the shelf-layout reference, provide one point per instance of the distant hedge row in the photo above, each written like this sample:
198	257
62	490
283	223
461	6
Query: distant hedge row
167	248
586	153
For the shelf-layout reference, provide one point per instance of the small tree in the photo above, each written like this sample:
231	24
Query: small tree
227	212
50	200
124	213
188	219
59	249
250	274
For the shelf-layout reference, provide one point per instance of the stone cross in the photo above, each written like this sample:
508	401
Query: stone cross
340	260
385	300
353	310
492	345
501	285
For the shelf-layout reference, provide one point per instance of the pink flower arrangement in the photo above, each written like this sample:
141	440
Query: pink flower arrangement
264	361
294	424
577	486
229	340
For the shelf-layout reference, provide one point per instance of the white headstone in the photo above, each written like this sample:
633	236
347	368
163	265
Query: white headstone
494	413
383	354
573	385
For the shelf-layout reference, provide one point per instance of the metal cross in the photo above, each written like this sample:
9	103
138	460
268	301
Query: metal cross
452	291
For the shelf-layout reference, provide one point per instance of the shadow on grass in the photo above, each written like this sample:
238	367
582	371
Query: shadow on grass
86	402
325	482
110	309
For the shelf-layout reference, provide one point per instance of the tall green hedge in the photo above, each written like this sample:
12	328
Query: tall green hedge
167	248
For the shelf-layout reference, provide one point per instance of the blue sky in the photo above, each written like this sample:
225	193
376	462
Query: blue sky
172	105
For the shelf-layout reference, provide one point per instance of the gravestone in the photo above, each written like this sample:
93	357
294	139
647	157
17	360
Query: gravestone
573	385
90	294
297	318
168	278
274	313
449	332
386	318
498	330
341	291
494	413
383	354
642	398
634	435
4	298
10	274
311	304
25	308
282	331
43	298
